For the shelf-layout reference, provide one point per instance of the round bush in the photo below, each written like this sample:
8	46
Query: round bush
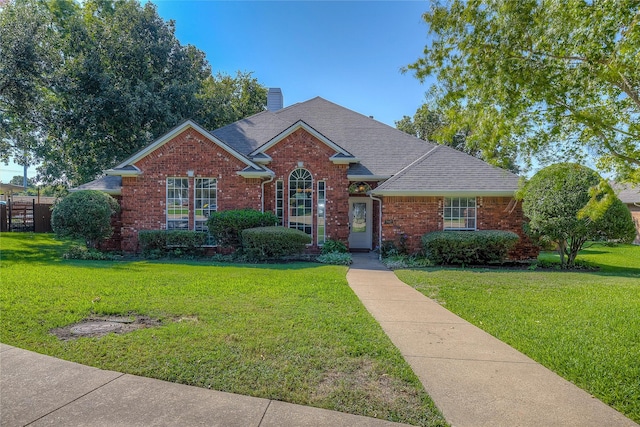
226	226
273	242
85	215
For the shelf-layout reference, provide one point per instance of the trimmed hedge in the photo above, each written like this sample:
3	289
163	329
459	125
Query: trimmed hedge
468	247
164	242
226	226
273	242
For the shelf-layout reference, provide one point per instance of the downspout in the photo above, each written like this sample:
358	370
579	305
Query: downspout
379	225
262	185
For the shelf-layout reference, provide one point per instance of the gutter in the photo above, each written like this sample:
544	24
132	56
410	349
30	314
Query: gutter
262	186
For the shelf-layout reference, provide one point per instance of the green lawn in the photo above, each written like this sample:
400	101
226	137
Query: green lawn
585	326
293	332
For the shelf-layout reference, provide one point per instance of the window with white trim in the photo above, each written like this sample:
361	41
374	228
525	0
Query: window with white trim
459	213
177	203
322	202
301	201
280	201
205	201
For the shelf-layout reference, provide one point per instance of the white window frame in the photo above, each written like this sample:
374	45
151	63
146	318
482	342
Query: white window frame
294	199
322	212
209	204
459	214
279	206
172	221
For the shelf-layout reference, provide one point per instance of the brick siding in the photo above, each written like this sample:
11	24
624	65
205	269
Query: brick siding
144	197
303	147
415	216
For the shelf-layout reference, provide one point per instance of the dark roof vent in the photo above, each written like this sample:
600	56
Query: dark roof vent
274	99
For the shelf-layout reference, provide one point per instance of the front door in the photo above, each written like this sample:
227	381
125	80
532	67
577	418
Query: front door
360	219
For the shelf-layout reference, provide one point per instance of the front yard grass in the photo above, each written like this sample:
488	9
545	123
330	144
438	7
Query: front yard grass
583	325
293	332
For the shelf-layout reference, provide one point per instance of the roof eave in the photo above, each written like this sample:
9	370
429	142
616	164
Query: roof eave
368	177
455	193
342	160
256	174
123	172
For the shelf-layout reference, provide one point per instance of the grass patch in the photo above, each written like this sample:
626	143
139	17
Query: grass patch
293	332
583	325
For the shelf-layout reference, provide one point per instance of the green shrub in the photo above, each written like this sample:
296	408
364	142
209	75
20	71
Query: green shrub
468	247
273	242
226	226
335	258
157	243
388	248
85	215
81	252
405	261
331	246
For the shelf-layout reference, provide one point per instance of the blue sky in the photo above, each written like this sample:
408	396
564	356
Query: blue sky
348	52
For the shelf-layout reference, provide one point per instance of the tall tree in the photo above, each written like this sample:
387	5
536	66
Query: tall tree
559	79
228	99
84	85
432	125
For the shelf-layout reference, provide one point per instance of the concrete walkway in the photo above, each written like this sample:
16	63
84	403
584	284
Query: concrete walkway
474	379
38	390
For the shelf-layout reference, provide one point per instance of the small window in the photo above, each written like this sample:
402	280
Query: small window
459	213
177	203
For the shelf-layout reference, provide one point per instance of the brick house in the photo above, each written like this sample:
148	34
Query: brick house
321	168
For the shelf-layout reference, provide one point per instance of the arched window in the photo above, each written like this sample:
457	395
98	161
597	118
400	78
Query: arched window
301	200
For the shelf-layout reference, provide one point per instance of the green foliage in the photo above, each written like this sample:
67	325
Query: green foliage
397	261
85	215
335	258
82	252
468	247
568	204
331	246
226	99
263	243
548	78
226	226
85	84
157	243
430	123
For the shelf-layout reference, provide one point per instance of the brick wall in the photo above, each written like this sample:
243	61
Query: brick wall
144	196
300	146
415	216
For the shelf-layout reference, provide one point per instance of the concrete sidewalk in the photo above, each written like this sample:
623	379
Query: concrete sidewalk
38	390
474	379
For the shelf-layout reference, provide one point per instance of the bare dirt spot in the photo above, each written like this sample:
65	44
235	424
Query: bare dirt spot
97	326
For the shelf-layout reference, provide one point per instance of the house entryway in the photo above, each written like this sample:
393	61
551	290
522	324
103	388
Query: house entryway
360	223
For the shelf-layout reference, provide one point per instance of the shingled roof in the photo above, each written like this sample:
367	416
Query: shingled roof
444	170
408	165
382	149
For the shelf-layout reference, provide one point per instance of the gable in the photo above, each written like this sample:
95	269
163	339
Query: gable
341	155
128	168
